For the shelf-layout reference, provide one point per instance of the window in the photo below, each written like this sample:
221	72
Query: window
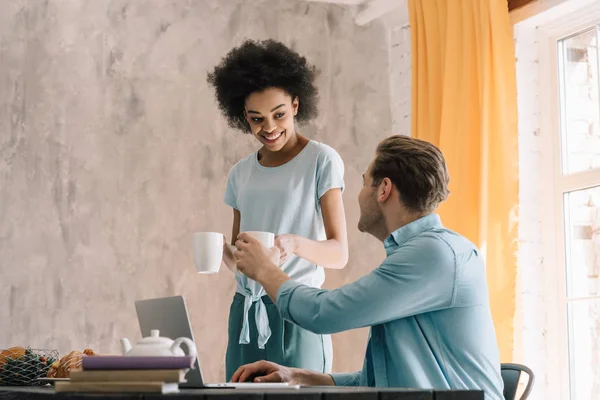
558	309
577	202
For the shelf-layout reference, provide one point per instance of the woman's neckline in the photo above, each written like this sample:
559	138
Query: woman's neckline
291	161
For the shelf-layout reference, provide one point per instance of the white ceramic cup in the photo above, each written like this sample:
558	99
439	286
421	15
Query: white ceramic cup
266	238
208	252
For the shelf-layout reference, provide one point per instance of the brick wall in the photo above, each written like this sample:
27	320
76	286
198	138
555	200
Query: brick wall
531	344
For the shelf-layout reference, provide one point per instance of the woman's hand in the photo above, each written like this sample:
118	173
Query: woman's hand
228	258
287	244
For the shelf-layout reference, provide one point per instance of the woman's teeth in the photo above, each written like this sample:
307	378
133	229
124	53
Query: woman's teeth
272	137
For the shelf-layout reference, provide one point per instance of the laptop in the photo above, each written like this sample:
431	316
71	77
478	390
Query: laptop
169	315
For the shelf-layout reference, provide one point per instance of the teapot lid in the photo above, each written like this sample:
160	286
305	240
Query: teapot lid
154	338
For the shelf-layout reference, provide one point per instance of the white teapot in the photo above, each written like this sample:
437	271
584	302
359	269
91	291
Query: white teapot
154	345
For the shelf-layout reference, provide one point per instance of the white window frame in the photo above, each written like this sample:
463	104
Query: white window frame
556	185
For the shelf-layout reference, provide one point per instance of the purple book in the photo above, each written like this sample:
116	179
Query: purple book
136	362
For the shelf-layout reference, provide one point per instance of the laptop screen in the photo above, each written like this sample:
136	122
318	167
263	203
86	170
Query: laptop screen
170	317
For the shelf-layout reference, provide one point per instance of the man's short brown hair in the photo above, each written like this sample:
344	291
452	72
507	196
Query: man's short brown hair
417	169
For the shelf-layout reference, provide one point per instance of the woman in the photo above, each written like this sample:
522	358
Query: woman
291	186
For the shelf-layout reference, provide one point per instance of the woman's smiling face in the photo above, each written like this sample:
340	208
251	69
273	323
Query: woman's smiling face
270	114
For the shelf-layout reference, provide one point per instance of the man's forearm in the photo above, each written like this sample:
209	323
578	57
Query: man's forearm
310	378
271	280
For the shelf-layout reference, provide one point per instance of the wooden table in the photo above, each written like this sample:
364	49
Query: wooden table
305	393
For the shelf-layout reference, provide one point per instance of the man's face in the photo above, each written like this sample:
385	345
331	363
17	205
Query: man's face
371	216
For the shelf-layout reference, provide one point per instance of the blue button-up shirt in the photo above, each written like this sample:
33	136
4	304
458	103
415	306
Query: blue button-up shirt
428	308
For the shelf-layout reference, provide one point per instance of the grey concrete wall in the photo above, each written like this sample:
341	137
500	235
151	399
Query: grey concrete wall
112	153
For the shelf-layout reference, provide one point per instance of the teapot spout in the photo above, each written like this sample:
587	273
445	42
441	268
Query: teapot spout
125	346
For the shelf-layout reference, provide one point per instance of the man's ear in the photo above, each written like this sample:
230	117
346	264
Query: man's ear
384	190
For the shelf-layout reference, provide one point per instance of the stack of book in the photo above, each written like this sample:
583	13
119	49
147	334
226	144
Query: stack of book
127	374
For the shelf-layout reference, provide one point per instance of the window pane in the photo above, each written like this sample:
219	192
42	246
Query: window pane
579	102
582	224
584	349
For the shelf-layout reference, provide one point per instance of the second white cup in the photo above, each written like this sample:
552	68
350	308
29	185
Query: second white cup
266	238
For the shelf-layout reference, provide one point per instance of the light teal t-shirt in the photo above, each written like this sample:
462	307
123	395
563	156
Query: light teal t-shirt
284	199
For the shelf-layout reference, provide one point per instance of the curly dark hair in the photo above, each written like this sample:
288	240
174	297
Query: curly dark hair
258	65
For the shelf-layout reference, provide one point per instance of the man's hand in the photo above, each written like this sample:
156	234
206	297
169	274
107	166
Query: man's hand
287	244
265	371
253	259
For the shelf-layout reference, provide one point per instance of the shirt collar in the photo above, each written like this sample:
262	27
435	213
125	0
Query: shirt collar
415	228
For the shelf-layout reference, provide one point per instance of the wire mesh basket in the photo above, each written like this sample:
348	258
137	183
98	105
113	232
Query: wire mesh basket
21	366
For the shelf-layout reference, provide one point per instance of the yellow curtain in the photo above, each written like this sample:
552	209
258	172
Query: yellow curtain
464	100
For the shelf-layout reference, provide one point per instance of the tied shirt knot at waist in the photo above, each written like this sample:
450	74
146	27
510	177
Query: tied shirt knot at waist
261	318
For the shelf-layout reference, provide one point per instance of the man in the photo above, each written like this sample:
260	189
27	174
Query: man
427	303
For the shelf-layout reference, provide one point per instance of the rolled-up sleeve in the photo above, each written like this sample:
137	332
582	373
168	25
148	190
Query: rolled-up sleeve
284	295
347	379
418	277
